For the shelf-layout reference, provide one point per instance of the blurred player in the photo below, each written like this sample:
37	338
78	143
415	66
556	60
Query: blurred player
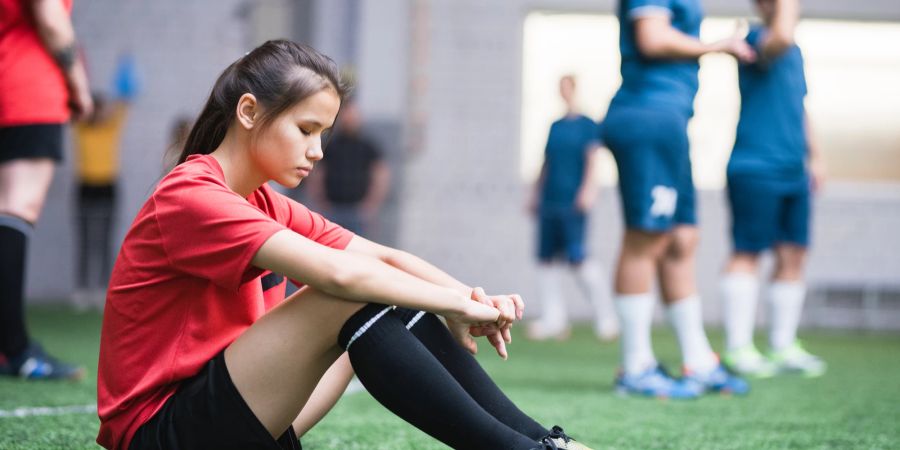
562	199
646	129
774	164
42	81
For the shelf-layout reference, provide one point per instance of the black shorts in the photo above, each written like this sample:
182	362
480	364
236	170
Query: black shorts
31	141
207	411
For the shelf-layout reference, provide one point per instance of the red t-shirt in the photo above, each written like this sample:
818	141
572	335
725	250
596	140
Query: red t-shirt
183	288
32	87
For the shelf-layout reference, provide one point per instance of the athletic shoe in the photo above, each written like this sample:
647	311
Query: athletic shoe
749	362
562	441
796	360
655	382
35	364
542	331
719	379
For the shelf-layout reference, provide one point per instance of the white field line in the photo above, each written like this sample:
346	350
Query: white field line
27	411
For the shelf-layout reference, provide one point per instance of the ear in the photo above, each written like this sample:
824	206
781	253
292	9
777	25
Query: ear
247	111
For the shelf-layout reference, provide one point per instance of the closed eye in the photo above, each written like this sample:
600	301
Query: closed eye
305	131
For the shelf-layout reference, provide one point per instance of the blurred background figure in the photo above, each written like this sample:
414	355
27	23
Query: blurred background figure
97	140
178	134
774	164
351	183
646	130
42	81
561	201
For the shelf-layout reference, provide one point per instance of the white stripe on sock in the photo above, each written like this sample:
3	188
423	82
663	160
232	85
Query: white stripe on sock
27	411
367	325
415	319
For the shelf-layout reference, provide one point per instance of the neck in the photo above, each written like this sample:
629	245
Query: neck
241	175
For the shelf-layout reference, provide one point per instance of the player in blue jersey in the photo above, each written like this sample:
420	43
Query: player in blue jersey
646	130
562	199
772	169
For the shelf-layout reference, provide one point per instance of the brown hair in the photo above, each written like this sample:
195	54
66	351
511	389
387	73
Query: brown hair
279	74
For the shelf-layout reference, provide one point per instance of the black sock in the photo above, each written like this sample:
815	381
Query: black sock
466	370
406	378
14	233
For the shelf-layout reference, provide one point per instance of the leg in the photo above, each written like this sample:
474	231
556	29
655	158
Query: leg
419	389
786	295
277	363
679	290
740	290
634	301
466	370
23	187
325	395
553	321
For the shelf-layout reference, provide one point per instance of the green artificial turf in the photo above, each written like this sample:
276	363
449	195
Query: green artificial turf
856	405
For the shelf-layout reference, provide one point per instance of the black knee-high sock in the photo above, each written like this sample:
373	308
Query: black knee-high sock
14	233
466	370
406	378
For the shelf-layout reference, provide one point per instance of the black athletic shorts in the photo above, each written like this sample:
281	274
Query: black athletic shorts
207	412
31	141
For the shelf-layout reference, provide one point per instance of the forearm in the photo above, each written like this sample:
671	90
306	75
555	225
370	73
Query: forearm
55	30
420	268
657	39
787	13
353	276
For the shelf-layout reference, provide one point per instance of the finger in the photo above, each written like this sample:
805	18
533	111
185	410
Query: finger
520	306
507	335
499	345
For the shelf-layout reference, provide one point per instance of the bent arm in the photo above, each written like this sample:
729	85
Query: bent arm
58	36
780	36
356	277
656	38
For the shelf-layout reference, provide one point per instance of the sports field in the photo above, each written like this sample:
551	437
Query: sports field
856	405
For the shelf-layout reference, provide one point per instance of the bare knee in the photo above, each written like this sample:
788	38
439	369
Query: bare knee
790	260
645	245
743	262
23	187
683	244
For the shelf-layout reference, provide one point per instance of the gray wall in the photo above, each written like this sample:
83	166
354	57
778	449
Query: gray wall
454	142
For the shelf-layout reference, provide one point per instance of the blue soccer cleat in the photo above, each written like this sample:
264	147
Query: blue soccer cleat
36	364
719	379
656	382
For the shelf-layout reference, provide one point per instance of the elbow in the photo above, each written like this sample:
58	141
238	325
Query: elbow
342	280
779	42
650	48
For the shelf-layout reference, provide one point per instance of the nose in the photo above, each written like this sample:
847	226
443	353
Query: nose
314	152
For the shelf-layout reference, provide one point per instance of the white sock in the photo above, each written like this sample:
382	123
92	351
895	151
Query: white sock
686	318
739	296
636	316
595	288
785	305
553	307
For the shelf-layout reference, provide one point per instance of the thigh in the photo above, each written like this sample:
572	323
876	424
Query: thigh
550	240
208	412
574	232
648	169
754	214
23	186
277	362
795	217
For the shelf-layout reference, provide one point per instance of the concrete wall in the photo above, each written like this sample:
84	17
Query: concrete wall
440	81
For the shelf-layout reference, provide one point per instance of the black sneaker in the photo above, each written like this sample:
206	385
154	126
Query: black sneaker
36	364
562	441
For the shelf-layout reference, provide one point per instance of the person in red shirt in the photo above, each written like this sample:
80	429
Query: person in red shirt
199	347
42	80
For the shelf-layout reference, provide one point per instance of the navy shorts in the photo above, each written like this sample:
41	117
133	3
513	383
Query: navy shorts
652	154
31	141
765	212
561	234
207	411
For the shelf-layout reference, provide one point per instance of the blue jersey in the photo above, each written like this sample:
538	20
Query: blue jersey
658	83
564	159
771	136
